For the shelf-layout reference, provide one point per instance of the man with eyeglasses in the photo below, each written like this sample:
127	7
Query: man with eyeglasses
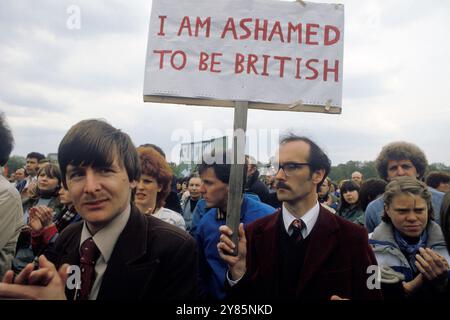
399	159
303	251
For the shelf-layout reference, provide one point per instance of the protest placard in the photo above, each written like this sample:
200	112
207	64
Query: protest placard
270	53
261	54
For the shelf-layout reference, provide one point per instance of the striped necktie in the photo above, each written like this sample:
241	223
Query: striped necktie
297	227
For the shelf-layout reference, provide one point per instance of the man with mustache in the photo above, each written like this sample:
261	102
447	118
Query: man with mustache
303	251
122	253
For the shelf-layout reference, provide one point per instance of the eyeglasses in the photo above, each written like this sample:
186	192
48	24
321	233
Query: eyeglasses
289	168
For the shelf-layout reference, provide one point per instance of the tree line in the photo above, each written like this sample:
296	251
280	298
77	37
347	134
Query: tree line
340	172
368	169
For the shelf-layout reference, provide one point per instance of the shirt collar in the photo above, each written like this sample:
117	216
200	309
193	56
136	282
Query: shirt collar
106	238
309	219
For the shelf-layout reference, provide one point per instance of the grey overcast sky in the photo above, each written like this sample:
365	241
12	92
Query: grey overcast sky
396	87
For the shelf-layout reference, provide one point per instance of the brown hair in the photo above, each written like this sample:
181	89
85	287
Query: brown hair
96	143
51	170
435	178
221	165
6	141
401	151
409	186
318	160
153	164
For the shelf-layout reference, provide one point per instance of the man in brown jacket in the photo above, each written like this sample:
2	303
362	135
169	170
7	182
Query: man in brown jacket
303	251
120	252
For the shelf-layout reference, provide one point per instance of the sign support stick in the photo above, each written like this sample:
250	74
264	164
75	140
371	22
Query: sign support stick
236	183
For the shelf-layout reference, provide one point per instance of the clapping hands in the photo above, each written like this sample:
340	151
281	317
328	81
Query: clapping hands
40	218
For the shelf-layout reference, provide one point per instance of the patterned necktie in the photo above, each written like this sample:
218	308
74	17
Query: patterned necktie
88	257
297	226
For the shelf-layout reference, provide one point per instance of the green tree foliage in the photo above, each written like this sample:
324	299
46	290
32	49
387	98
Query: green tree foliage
367	168
15	162
438	167
344	171
180	170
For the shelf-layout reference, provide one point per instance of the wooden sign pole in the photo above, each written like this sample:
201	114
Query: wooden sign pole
236	183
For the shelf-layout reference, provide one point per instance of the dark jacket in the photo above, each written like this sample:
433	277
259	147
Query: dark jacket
256	186
172	202
336	262
24	252
354	214
151	260
273	200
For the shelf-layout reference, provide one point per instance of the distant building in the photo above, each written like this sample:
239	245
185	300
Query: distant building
192	153
53	157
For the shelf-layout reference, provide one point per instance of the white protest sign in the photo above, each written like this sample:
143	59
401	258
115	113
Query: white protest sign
246	50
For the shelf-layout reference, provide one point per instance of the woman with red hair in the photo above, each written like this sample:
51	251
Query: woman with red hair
154	187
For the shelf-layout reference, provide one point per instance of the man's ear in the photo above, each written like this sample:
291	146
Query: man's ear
318	176
386	210
133	184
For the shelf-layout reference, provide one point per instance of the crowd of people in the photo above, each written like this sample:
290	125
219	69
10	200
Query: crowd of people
137	232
